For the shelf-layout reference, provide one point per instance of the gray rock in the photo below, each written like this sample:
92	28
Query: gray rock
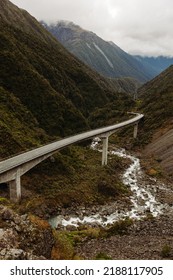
1	233
7	214
12	254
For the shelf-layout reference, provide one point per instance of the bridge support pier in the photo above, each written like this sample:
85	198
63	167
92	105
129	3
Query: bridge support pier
15	188
135	132
105	150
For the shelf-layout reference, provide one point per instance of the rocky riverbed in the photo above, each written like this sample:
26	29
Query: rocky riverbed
145	199
145	239
149	236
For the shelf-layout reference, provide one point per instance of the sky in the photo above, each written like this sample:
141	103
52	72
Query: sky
143	27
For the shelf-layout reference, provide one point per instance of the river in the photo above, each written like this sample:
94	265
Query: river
143	198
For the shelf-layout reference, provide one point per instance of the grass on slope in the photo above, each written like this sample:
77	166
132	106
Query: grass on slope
157	103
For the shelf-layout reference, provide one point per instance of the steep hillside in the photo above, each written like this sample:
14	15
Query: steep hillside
19	130
157	96
125	85
105	57
46	78
157	104
47	93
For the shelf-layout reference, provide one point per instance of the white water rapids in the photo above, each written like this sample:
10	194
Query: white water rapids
143	198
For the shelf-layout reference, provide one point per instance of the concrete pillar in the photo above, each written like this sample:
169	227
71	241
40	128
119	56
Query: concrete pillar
15	188
105	150
135	132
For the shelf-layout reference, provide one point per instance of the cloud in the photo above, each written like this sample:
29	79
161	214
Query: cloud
137	26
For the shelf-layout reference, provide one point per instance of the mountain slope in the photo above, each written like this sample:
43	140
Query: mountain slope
47	93
105	57
19	130
125	85
52	84
157	96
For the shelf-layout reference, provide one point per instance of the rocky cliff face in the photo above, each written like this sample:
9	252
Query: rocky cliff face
24	237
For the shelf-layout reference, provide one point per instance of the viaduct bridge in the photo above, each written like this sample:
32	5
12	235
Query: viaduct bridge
13	168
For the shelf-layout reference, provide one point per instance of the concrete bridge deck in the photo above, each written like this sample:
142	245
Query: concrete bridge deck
13	168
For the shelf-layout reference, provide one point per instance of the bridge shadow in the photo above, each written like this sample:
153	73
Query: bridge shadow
4	190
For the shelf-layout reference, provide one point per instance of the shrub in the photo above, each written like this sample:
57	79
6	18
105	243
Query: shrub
102	256
63	248
166	251
119	227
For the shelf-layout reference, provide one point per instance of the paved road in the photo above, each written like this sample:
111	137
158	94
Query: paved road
47	149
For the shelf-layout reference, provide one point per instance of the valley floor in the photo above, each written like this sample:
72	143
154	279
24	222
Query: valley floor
29	237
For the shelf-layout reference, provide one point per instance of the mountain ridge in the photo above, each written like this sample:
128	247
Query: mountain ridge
158	64
105	57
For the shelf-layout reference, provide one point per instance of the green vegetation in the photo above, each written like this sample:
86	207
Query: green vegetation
3	200
120	227
111	113
21	74
19	129
74	177
63	248
83	233
102	256
126	85
46	93
52	92
166	251
66	241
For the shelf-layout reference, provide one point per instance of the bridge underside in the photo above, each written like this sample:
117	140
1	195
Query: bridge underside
13	177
